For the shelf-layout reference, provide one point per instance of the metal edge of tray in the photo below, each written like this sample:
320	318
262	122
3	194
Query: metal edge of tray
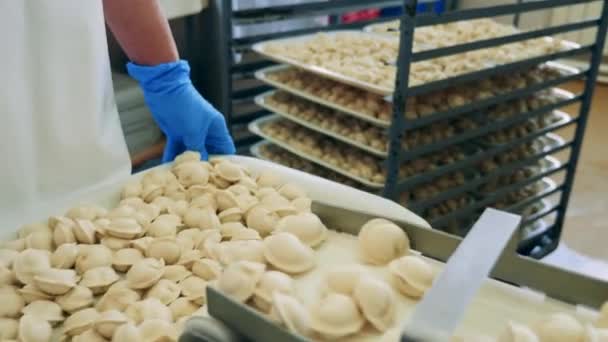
548	140
262	75
548	185
371	28
562	94
260	100
255	151
556	283
254	127
259	48
549	163
566	69
551	141
566	43
561	118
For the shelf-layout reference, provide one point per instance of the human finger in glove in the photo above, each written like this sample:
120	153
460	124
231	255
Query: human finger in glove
187	119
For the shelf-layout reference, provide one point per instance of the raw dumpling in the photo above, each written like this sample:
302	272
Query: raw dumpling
377	302
336	316
288	254
381	241
290	312
560	327
343	280
240	279
270	283
307	227
516	332
412	275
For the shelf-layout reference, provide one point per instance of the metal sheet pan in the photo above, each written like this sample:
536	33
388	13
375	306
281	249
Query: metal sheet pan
560	288
260	100
260	48
263	76
336	76
256	126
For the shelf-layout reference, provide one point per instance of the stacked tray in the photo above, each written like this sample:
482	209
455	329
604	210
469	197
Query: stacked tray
367	60
342	157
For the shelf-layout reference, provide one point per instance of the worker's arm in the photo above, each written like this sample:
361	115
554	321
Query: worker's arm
142	30
186	118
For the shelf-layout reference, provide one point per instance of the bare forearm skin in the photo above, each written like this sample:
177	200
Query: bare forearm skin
142	30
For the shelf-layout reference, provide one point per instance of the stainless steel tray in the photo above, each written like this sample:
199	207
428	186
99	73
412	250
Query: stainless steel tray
511	268
260	100
263	76
255	127
336	76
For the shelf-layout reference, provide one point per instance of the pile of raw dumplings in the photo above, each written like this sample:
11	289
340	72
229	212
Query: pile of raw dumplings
138	271
278	155
350	297
375	138
370	58
375	106
352	160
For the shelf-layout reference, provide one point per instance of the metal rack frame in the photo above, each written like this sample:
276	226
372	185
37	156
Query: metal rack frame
226	71
217	21
400	125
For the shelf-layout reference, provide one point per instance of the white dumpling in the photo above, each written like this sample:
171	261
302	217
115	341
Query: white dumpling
288	254
381	241
377	302
336	316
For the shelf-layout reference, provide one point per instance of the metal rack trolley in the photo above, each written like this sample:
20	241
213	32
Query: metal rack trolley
231	86
542	242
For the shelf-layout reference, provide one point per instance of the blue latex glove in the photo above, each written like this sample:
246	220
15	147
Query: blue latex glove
187	119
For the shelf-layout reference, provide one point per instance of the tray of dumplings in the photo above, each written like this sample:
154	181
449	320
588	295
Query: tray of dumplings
271	152
353	131
367	60
334	155
459	32
345	286
343	158
326	121
375	108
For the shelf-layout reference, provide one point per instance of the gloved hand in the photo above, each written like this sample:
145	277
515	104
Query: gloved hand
187	119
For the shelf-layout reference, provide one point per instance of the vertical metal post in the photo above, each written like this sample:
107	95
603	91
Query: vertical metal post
590	82
396	132
517	15
225	61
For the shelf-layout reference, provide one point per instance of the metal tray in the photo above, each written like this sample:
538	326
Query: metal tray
242	5
260	100
561	289
336	76
547	141
259	48
255	127
263	76
243	28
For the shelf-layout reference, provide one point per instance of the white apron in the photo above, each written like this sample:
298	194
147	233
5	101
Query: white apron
59	128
